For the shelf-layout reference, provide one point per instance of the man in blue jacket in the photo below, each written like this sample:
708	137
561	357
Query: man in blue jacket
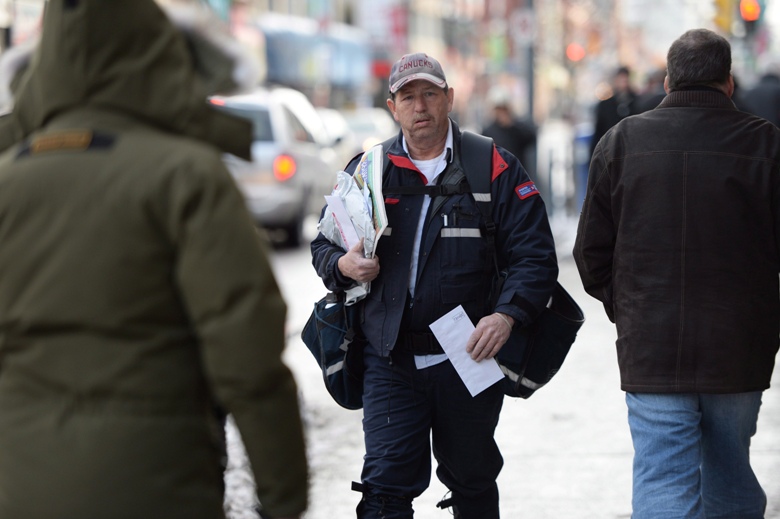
434	257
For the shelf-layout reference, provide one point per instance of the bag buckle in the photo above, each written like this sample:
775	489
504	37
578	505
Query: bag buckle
334	297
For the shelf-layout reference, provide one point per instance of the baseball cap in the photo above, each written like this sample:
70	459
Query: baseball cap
416	66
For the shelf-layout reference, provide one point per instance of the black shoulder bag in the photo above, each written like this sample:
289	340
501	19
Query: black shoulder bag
533	354
333	336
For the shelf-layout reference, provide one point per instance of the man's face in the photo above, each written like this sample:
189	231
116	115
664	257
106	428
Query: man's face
421	108
503	116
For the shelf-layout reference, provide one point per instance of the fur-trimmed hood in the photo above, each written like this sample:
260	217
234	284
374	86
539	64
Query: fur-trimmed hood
127	56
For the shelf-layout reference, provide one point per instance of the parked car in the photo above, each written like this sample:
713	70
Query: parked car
344	141
293	165
371	125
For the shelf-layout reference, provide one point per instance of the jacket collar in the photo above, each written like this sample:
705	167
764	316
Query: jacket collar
697	98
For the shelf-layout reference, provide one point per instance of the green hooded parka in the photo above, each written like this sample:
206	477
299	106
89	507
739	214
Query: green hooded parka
136	296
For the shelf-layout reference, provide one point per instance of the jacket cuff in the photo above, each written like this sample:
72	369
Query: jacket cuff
341	279
521	318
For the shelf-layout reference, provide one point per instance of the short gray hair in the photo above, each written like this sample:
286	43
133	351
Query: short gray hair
698	58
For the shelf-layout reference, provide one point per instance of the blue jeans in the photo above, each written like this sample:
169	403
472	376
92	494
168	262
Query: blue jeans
692	456
403	410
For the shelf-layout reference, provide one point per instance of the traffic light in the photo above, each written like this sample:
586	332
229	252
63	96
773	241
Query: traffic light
724	14
750	11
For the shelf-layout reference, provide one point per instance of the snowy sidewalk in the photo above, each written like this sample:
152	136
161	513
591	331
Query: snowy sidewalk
567	449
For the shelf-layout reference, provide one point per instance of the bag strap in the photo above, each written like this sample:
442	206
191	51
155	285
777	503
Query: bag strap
432	191
476	156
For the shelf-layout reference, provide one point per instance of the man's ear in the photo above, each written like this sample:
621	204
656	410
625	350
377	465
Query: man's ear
730	86
666	84
391	107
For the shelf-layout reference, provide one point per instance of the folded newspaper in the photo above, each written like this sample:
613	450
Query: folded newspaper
356	209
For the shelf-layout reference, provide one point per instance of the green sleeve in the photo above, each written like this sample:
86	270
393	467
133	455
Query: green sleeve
237	310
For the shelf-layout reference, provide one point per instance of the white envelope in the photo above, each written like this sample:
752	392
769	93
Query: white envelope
452	331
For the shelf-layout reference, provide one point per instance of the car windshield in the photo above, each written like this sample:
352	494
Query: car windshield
260	119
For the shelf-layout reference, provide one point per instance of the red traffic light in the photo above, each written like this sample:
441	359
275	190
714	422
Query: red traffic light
750	10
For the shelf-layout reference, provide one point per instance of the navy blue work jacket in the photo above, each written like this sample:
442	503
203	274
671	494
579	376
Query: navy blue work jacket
453	265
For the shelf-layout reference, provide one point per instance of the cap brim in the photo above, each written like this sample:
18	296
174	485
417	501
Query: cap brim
395	87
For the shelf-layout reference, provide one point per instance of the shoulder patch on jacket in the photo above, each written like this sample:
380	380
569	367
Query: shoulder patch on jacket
523	191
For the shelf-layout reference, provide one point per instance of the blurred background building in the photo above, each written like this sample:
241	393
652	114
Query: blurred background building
554	57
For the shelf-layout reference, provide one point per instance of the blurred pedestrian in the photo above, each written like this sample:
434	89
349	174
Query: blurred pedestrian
763	99
739	97
136	296
653	92
619	105
512	133
435	259
679	238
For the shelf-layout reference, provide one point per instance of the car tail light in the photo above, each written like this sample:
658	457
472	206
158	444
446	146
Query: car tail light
284	167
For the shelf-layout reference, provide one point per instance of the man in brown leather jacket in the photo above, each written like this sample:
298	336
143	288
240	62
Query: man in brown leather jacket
679	238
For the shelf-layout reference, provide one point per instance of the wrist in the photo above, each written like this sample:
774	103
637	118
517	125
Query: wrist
507	319
338	272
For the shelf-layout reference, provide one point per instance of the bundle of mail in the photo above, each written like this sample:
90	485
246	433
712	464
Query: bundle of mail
356	211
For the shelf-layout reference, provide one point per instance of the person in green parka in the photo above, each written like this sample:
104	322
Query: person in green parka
136	295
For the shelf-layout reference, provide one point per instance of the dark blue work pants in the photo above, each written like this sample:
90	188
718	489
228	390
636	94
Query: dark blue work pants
403	408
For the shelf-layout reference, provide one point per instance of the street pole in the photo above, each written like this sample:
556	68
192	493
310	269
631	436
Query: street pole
522	23
7	11
530	64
